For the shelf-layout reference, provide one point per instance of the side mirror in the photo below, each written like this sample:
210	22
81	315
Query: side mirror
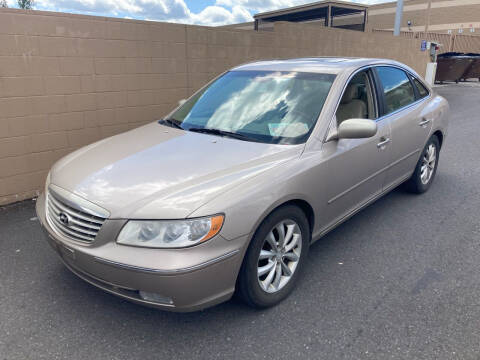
354	129
181	102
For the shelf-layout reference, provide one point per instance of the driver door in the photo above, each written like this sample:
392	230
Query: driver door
355	167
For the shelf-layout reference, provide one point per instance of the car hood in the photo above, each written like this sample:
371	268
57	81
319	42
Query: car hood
160	172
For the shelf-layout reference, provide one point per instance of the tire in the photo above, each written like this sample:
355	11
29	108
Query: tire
251	286
416	184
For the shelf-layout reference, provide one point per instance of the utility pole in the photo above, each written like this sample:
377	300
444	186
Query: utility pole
398	18
427	21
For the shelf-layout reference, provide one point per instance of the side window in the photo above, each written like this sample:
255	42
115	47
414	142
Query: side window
422	91
358	101
397	88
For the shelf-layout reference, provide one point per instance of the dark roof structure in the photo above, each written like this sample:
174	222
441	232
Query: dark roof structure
338	14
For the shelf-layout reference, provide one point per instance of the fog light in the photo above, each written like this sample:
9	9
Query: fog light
156	298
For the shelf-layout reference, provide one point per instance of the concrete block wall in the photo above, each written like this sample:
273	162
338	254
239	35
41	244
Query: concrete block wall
448	42
444	15
466	43
309	40
69	80
211	51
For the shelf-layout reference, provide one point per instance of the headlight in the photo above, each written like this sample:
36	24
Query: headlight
169	233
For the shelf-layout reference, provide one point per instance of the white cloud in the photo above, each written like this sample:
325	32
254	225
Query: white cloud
161	10
135	8
262	5
222	12
217	15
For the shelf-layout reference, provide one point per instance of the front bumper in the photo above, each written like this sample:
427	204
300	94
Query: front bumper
184	279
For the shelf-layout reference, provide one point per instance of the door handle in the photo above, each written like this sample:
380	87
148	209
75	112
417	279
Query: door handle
383	142
424	122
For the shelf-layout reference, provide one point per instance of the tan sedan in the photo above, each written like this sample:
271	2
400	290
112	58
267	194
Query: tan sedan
229	190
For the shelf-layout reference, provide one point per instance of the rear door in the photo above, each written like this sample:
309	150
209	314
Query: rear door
405	102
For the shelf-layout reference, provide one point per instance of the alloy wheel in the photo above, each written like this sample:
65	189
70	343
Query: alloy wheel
428	164
279	256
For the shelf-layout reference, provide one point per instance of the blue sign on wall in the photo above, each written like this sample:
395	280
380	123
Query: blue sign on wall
423	47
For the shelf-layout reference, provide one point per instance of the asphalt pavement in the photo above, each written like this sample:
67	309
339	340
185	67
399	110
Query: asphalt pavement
400	280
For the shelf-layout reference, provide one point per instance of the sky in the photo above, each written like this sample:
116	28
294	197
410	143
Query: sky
201	12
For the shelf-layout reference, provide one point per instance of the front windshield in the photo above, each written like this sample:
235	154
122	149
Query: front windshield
265	106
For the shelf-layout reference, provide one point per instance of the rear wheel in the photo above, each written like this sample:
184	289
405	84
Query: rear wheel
426	168
275	257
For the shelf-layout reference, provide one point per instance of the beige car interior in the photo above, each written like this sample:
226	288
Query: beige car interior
357	100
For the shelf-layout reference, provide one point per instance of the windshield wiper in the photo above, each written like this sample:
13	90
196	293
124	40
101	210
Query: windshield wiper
172	123
222	133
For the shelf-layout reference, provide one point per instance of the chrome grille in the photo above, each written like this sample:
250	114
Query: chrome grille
70	222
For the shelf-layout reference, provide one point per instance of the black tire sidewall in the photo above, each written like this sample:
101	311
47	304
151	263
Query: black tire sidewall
250	289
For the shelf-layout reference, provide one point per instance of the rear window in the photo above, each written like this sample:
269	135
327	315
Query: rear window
397	88
422	91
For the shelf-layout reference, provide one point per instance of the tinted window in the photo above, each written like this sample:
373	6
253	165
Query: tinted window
397	88
266	106
422	91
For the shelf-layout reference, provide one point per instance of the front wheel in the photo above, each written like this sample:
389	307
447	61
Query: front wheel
426	167
275	256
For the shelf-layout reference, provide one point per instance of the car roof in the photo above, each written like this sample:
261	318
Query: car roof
329	65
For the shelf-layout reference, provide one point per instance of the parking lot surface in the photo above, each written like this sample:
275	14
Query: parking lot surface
400	280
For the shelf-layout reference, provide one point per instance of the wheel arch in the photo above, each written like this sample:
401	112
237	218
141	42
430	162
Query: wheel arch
297	201
305	207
